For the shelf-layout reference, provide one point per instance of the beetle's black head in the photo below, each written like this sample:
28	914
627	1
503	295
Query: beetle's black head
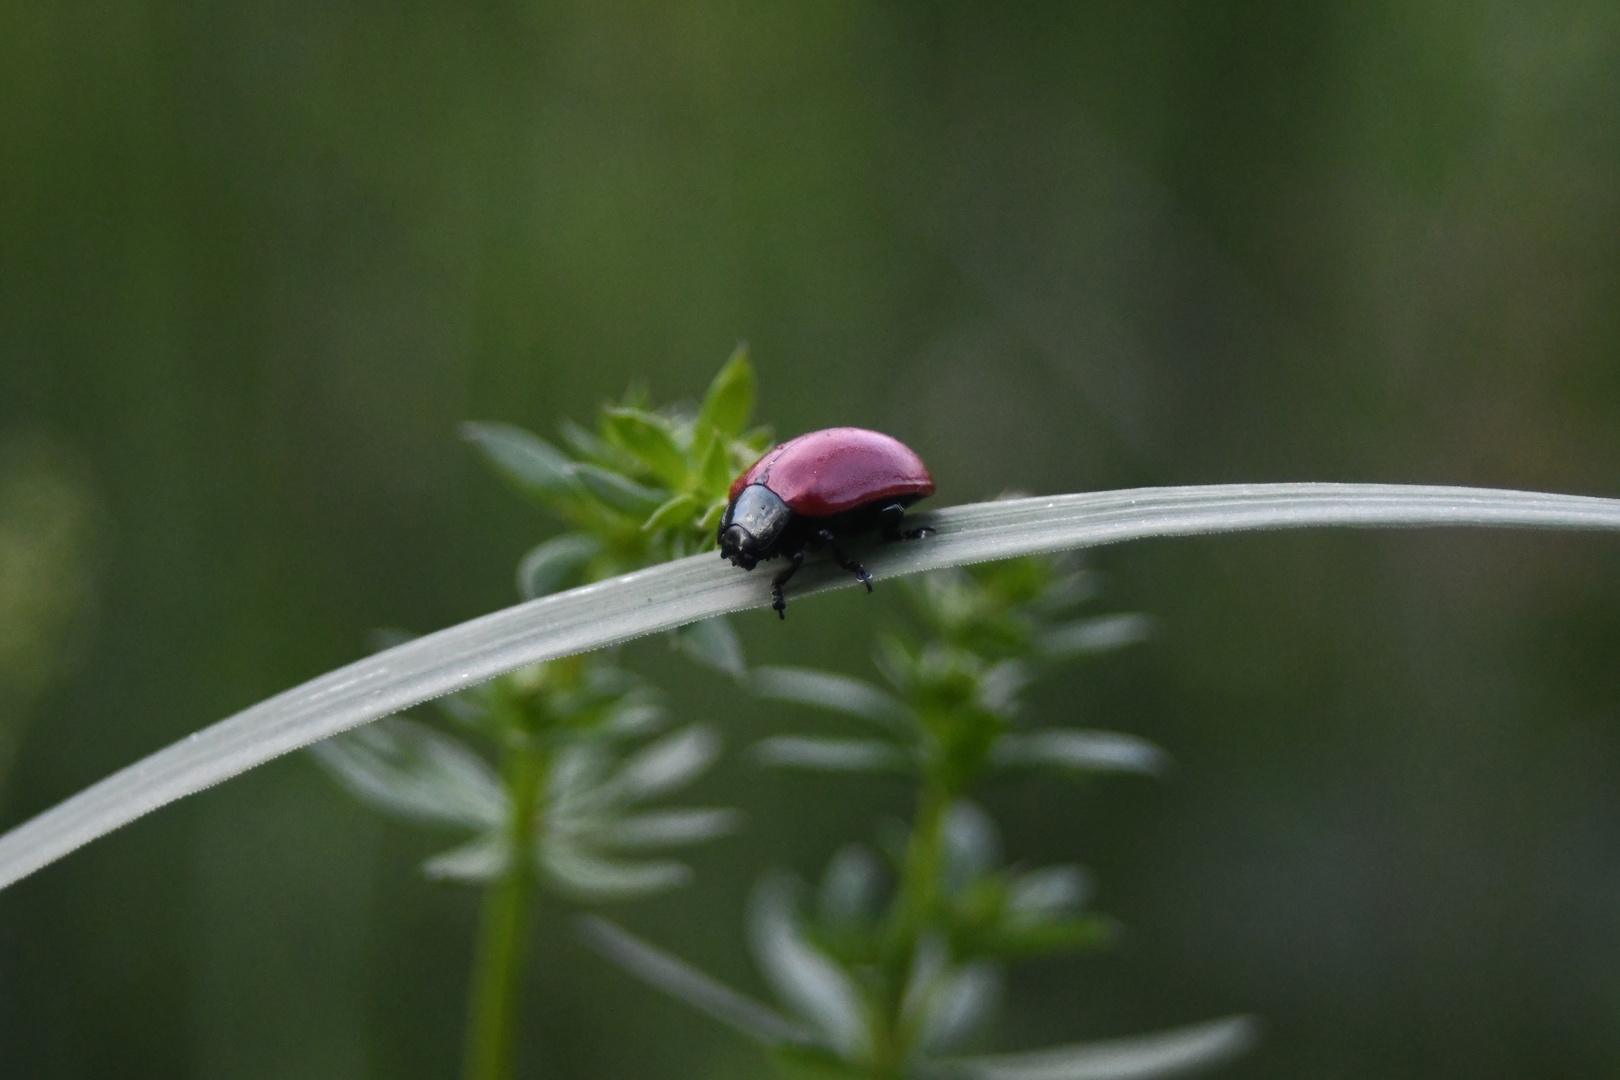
752	526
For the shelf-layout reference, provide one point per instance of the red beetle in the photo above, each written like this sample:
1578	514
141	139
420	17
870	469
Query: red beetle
817	489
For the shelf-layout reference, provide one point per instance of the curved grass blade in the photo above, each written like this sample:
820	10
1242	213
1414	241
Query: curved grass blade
701	586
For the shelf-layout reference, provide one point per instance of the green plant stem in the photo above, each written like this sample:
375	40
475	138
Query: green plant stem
919	889
503	931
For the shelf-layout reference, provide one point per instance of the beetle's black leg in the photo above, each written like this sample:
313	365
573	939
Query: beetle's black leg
855	568
778	601
889	524
825	536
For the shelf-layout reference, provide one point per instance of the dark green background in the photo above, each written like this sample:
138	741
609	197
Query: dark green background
258	259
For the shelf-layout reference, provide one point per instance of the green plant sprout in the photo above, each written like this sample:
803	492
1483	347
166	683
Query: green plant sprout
649	485
565	804
901	961
563	809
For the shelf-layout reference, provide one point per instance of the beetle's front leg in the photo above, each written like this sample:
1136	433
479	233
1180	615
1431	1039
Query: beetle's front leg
778	600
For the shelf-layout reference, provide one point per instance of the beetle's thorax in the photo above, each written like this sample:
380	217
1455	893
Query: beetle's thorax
753	525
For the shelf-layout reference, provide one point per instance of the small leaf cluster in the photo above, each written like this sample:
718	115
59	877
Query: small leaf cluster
986	914
569	803
897	961
950	713
648	485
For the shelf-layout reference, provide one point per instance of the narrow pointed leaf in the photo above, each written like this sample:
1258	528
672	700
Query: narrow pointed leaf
672	762
681	980
684	591
1001	685
960	1006
667	828
648	437
715	468
1071	748
589	446
803	976
619	492
850	884
631	717
1084	637
824	690
554	564
833	755
972	844
473	863
1171	1053
1051	890
412	771
714	643
676	512
729	401
524	458
591	877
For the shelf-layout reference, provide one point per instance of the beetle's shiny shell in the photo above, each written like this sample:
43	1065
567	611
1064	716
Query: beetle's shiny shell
827	472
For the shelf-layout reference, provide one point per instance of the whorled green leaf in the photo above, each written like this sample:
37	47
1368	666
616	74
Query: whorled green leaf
972	843
850	886
480	860
682	981
586	875
678	510
667	828
589	446
1087	751
1050	891
960	1003
632	715
672	762
531	463
649	438
805	978
825	690
829	754
629	498
701	586
729	401
715	468
1103	633
1001	686
411	771
1145	1057
714	643
554	564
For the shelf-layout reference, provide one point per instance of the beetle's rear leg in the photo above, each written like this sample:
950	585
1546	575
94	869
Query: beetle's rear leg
778	601
889	525
826	537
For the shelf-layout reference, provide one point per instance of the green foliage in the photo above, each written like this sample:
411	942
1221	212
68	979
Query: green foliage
648	485
951	712
572	736
897	963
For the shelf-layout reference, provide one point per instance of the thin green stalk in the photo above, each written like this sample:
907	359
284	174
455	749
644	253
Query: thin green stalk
503	932
918	894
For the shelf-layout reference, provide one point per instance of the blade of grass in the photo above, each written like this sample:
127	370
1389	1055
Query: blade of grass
702	586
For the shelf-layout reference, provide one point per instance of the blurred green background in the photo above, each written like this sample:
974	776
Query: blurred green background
258	259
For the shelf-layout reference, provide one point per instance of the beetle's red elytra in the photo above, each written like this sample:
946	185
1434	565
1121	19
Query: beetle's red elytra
816	489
